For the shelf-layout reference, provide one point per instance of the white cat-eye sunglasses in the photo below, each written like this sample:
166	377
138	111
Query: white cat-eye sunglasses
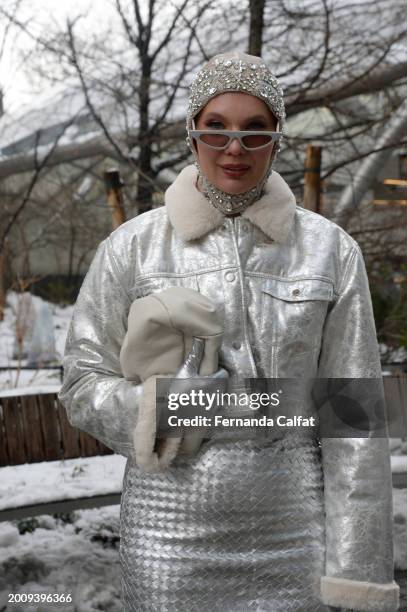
221	139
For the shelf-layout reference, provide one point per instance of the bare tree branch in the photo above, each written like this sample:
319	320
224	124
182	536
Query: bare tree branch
374	81
170	30
39	165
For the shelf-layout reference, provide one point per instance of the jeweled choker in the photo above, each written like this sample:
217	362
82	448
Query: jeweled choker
228	203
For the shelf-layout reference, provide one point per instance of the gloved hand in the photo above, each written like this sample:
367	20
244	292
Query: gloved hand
166	449
189	372
161	329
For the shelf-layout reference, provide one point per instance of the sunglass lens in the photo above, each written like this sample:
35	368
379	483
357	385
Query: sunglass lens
256	140
214	140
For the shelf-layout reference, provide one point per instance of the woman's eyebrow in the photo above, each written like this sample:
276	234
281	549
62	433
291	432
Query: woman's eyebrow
215	115
257	118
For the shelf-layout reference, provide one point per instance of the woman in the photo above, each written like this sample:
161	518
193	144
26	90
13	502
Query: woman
244	524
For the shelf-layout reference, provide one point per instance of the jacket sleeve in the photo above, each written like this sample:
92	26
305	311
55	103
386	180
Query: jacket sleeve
97	398
357	473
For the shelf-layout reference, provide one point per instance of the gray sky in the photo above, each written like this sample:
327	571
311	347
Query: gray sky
14	80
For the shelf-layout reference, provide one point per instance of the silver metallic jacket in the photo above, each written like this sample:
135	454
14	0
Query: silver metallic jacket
292	290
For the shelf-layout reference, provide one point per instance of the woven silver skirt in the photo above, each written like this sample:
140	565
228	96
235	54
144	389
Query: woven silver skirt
240	527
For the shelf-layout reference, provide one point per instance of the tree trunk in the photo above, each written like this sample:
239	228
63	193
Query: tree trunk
145	187
312	181
256	26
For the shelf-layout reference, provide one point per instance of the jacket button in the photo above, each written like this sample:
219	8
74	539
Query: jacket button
236	345
296	292
230	277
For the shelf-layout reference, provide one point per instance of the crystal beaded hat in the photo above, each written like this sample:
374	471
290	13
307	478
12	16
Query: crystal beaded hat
236	72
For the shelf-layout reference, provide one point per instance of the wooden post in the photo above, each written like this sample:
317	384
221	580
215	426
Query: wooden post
114	192
4	257
312	180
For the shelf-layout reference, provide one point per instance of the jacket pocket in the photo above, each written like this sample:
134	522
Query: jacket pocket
301	290
292	322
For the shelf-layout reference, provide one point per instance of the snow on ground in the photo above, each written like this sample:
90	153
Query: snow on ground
28	378
54	480
34	390
75	554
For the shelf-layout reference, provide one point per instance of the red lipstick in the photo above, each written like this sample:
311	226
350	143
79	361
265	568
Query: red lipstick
235	170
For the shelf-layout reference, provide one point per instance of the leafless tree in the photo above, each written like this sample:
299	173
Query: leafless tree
145	80
343	65
6	27
327	54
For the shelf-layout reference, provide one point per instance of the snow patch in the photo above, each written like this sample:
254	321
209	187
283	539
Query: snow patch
62	558
9	535
35	483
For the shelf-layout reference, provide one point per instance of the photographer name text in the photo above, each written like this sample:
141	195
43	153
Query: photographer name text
223	421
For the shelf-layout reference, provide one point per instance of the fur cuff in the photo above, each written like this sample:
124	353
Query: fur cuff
358	595
144	436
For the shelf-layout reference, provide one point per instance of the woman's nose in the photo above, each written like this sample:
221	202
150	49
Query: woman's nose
234	147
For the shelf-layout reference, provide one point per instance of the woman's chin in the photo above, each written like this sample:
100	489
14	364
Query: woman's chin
233	186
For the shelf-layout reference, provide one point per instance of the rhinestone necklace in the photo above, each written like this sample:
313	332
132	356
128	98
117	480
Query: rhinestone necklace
228	203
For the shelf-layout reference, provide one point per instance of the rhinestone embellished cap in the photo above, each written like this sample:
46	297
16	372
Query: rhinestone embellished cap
240	72
226	73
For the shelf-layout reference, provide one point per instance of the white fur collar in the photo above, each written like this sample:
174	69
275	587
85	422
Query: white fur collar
193	216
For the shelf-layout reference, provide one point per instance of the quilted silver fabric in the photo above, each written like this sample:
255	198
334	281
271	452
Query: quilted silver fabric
226	531
240	526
